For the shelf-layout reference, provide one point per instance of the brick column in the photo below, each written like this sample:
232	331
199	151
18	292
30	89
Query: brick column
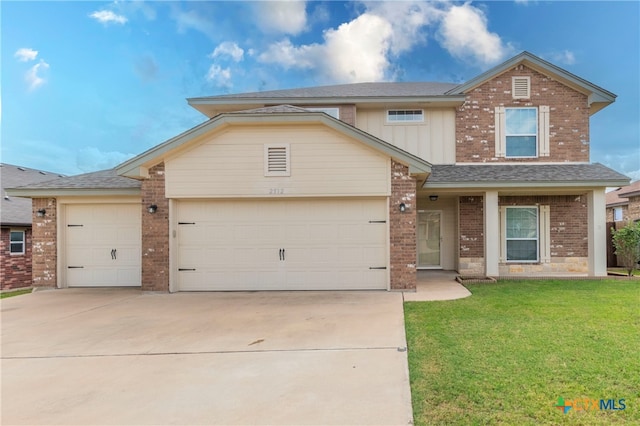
155	232
402	228
44	256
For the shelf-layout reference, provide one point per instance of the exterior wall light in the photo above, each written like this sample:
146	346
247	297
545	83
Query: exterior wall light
152	208
433	197
41	213
402	207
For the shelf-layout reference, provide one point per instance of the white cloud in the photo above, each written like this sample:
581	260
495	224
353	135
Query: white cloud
228	48
108	17
26	54
354	52
90	159
464	33
565	57
281	17
192	20
33	76
219	76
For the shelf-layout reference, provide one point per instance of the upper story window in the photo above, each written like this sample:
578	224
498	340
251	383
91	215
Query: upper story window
521	132
16	242
405	116
333	112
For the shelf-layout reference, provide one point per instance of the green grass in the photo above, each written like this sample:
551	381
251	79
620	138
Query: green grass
506	354
635	272
14	293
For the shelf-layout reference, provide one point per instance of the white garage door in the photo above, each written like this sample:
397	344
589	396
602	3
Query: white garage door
103	245
282	245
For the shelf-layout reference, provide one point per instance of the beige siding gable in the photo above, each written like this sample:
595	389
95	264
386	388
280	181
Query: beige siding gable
323	162
432	140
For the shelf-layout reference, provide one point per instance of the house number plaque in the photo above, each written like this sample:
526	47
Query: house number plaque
276	191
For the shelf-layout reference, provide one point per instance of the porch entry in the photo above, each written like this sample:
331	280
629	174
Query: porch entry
429	239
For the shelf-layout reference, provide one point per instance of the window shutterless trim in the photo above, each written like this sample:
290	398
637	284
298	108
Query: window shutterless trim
401	116
21	243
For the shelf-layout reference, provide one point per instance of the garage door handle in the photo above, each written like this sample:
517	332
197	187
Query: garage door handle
280	254
377	267
186	269
75	267
114	254
283	254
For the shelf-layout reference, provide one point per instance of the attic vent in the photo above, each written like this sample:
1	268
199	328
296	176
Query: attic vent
276	160
521	87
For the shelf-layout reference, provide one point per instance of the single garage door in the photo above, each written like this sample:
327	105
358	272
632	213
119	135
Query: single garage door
103	245
282	245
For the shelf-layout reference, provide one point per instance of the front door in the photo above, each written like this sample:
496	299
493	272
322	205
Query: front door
429	252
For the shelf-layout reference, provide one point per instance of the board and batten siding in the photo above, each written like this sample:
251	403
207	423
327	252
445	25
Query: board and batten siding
322	163
432	140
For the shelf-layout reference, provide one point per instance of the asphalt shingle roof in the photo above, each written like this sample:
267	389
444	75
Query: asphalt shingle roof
17	210
515	173
103	179
387	89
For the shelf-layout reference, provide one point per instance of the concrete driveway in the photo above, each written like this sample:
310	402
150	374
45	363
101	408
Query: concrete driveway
114	356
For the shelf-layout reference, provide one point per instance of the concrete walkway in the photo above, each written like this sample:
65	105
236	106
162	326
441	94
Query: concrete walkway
115	356
437	285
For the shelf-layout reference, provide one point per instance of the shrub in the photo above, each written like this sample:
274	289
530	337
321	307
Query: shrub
627	243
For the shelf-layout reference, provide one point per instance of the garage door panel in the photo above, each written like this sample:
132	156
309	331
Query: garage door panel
103	245
329	244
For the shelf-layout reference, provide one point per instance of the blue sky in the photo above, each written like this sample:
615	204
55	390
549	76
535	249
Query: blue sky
86	85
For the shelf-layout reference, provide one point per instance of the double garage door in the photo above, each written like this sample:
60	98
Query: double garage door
103	245
281	245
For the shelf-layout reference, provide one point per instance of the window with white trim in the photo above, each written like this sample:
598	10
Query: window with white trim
522	132
16	242
277	160
617	214
333	112
522	234
405	116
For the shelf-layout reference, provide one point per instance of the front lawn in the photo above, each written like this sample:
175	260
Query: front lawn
507	354
6	294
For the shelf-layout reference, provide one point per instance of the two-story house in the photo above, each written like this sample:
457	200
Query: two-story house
352	186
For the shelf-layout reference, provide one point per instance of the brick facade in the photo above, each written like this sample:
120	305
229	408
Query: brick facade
568	118
155	232
633	210
402	228
45	240
471	235
568	221
15	269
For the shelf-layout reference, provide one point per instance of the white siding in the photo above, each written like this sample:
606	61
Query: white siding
432	140
322	163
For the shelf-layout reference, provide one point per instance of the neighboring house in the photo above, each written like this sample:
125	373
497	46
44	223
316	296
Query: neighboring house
15	222
623	204
351	186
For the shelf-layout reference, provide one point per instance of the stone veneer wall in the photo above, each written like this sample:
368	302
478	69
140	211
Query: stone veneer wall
155	232
402	228
44	255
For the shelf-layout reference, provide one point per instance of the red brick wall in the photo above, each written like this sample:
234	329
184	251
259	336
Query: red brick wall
44	243
471	211
633	212
155	232
15	269
402	228
568	222
568	118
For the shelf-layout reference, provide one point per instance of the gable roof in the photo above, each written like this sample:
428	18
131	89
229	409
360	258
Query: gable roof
138	166
598	97
357	93
103	182
619	196
15	210
523	176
